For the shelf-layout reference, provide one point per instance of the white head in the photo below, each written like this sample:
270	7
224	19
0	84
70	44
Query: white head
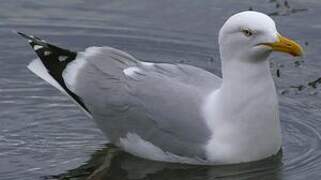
252	36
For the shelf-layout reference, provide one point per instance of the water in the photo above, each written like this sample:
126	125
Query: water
44	136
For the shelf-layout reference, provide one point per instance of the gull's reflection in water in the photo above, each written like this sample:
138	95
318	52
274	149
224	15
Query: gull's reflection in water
113	164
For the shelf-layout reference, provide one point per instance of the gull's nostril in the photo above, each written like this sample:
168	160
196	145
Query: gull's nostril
289	45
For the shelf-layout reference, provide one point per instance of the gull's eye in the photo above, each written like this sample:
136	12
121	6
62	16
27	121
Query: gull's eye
247	32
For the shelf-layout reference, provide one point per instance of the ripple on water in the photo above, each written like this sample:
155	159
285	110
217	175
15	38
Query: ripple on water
302	142
44	133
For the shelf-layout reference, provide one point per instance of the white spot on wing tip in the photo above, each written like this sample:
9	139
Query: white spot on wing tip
130	71
149	64
37	47
47	53
62	58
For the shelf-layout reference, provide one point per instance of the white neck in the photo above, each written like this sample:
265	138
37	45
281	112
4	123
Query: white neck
245	72
243	113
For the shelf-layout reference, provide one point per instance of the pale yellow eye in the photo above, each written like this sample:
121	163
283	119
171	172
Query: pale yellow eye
247	32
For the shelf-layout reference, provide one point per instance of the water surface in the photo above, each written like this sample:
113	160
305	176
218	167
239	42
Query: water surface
44	136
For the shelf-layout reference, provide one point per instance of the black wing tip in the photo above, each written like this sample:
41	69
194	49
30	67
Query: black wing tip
52	61
31	38
25	35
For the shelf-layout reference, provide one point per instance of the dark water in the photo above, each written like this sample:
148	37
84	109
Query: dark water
44	136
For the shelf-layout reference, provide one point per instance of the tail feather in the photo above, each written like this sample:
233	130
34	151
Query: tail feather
53	61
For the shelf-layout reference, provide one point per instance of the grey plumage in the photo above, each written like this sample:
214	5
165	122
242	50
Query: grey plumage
150	103
150	100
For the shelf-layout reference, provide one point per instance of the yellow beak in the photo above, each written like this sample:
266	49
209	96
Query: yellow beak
285	45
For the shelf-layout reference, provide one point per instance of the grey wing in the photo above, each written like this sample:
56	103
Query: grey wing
159	102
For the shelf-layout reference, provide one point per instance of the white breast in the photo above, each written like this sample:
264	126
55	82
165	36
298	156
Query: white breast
245	125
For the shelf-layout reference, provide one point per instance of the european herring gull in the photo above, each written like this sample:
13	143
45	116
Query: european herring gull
177	112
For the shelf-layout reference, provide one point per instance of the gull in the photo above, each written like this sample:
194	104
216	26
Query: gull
177	112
